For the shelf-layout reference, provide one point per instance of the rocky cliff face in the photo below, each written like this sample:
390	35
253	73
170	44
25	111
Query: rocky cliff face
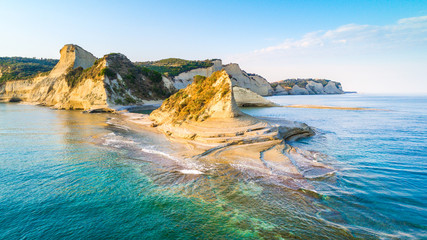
80	81
306	87
127	83
184	79
72	57
246	98
238	77
253	82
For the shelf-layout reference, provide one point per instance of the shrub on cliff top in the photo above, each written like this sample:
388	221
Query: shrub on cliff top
73	77
191	102
108	72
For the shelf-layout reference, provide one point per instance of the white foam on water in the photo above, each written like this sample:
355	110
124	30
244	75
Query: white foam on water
113	140
190	165
190	171
153	151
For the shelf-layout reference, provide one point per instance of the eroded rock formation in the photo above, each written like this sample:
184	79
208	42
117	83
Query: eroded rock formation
205	116
246	98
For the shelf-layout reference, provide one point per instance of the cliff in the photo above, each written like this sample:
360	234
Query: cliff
80	81
306	87
184	72
246	98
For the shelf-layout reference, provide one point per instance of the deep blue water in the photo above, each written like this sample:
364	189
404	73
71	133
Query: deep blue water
64	174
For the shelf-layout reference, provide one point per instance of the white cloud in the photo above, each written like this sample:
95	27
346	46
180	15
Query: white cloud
405	31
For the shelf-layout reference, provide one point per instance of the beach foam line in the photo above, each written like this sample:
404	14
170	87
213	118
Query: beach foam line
153	151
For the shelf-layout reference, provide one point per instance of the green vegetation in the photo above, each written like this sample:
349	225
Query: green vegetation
151	74
108	72
129	100
174	66
190	103
143	82
73	77
301	82
16	68
77	75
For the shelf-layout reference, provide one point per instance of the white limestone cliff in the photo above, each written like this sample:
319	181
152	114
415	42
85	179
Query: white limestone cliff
72	56
246	98
184	79
239	78
307	87
296	90
331	88
314	88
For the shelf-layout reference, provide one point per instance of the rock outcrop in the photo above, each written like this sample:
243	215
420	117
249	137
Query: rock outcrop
332	88
80	81
306	87
246	98
205	98
72	57
206	118
253	82
314	88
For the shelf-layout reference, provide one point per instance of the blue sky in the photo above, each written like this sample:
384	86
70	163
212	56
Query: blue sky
366	45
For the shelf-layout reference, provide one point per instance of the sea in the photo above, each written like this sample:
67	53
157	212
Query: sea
70	175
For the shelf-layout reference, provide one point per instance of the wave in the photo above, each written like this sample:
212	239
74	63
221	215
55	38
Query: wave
190	171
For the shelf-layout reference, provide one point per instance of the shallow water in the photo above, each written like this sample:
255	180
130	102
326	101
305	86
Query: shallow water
66	174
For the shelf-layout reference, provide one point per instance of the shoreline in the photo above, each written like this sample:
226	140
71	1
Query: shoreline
265	155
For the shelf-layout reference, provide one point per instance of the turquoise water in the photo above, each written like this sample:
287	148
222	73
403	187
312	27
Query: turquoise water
65	174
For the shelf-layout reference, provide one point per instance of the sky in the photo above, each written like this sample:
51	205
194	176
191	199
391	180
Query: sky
368	46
